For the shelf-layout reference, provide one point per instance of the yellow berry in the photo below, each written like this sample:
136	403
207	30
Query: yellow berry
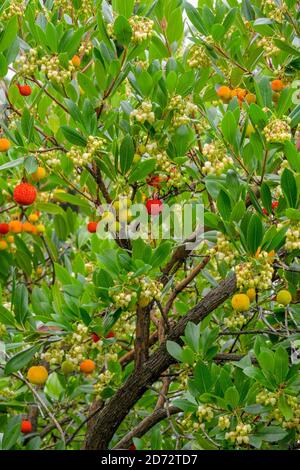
3	245
37	375
240	302
39	174
67	367
251	293
284	297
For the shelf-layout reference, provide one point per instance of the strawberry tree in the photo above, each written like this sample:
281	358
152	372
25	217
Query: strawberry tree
149	341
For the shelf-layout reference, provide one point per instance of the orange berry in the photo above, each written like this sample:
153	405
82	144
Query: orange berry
33	217
277	85
76	61
250	98
28	227
224	92
37	375
15	226
3	245
10	239
39	174
88	366
4	145
240	93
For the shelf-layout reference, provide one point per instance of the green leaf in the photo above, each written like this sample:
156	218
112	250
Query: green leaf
87	85
255	234
12	164
229	127
12	432
232	397
203	378
3	66
123	7
141	171
27	123
195	18
174	350
266	197
289	187
224	205
272	434
281	364
122	30
21	303
175	26
21	359
292	155
126	154
8	35
73	136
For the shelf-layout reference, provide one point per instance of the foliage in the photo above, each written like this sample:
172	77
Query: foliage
150	102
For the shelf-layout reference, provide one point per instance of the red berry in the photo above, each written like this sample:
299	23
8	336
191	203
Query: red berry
25	90
92	227
26	426
110	335
25	194
154	206
4	229
95	337
265	211
275	204
132	447
154	181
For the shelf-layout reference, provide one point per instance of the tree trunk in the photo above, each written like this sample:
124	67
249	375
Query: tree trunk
117	408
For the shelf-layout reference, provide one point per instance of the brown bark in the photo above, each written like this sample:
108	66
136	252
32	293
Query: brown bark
117	408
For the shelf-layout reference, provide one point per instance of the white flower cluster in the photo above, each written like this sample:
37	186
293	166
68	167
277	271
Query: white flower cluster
51	66
268	45
205	413
123	299
256	273
240	435
150	290
198	57
224	422
82	157
217	158
274	10
235	321
277	130
143	113
267	398
142	28
73	349
175	177
28	63
223	250
16	7
293	237
183	111
103	380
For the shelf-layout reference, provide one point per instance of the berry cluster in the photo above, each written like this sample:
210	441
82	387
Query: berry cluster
217	158
198	57
143	113
256	273
81	157
204	413
277	130
293	237
183	111
142	28
240	435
